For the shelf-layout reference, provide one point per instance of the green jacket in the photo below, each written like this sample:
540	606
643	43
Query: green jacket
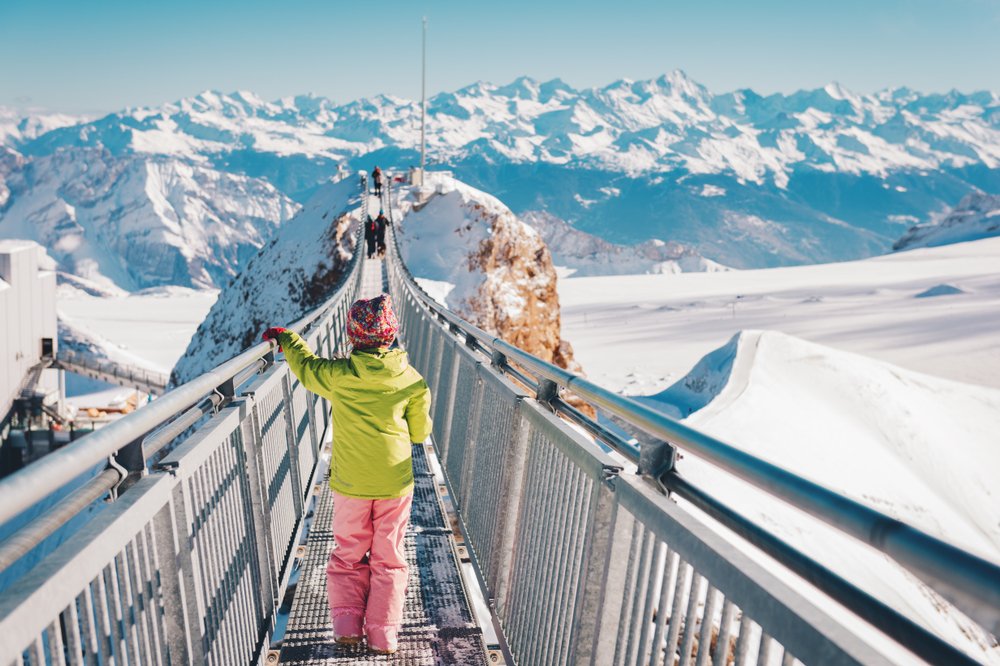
380	405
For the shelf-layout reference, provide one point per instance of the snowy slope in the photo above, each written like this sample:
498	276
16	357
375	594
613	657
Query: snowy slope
149	329
898	406
661	325
292	275
916	447
976	216
133	222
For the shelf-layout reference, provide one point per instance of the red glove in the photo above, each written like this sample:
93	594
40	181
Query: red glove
272	334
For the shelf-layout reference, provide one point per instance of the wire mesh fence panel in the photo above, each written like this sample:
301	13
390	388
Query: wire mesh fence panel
432	370
463	412
419	334
724	607
549	548
96	599
443	395
225	527
490	466
284	467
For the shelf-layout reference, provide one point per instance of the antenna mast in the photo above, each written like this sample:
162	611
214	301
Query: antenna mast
423	102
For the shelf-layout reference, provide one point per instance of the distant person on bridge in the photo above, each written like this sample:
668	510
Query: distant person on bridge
377	179
371	235
380	223
381	407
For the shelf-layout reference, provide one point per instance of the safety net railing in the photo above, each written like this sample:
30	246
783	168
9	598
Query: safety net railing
190	561
585	558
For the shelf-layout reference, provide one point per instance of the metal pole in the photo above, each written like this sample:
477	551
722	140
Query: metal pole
423	102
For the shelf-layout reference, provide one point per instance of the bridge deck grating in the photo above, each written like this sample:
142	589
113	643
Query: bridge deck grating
438	625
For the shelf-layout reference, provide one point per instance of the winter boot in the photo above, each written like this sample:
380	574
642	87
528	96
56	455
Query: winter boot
382	638
347	623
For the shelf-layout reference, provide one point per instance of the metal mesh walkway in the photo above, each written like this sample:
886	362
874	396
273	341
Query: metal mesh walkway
438	625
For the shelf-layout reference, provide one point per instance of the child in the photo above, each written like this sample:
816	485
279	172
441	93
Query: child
380	406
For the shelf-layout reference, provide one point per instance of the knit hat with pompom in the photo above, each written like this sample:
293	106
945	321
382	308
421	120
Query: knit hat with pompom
372	323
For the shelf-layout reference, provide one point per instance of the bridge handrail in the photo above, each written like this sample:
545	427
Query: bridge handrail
970	582
191	562
33	483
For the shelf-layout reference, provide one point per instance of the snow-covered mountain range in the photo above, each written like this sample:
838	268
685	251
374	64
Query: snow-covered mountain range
134	222
743	179
19	126
662	125
583	254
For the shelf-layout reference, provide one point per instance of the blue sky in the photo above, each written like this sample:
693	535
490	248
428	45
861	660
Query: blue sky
90	56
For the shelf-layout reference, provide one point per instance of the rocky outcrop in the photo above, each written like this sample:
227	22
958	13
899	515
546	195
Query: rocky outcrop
976	216
517	299
586	254
500	269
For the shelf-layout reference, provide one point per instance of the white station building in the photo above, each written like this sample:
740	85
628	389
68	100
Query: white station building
28	323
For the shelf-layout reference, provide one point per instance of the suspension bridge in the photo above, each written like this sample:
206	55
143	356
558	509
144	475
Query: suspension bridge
209	527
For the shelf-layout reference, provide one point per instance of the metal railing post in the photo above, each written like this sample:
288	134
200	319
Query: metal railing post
257	516
512	492
294	453
603	581
182	619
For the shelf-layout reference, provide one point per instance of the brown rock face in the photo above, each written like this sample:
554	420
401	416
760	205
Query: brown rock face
517	300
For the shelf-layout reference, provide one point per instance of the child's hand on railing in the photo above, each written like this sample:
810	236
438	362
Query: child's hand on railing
272	334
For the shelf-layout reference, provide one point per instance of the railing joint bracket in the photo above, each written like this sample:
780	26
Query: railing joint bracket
169	466
609	473
498	359
547	391
113	491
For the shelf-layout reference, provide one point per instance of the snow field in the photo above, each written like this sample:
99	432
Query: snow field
639	333
149	329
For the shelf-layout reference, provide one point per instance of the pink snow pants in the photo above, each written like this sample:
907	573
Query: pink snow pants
366	574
